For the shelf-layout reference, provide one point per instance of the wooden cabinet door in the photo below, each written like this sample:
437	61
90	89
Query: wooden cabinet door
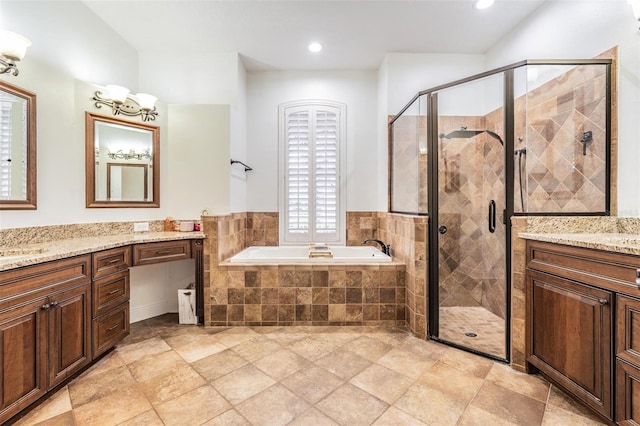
571	337
69	332
23	357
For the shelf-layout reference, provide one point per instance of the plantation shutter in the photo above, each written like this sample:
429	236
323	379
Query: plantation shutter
5	150
311	174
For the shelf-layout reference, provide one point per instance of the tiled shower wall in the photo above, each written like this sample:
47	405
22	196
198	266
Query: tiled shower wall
471	174
550	122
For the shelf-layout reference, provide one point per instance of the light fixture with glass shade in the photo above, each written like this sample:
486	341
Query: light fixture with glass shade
482	4
118	98
13	47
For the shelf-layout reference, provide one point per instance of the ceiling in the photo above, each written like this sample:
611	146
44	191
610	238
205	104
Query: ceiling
273	35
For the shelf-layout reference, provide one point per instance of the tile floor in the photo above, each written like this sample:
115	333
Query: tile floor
168	374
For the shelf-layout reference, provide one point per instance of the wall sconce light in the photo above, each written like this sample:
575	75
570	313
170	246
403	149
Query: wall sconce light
12	49
117	97
131	155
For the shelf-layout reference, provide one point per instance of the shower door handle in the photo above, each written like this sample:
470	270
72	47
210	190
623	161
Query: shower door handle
492	216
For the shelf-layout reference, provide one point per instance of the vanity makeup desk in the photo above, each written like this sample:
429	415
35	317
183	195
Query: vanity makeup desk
65	303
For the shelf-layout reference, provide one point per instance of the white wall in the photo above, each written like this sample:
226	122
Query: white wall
199	160
203	78
238	202
585	29
267	90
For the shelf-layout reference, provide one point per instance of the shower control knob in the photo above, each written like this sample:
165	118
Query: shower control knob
442	230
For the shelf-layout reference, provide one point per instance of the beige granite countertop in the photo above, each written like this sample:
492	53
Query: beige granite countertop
614	242
31	254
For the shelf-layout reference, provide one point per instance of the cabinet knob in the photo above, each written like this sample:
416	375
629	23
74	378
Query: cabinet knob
45	306
638	278
54	303
603	301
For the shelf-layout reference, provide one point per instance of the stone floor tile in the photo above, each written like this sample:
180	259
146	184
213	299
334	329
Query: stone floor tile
513	406
460	384
343	363
228	418
350	405
171	383
141	350
192	347
312	417
193	408
148	418
431	405
254	349
64	419
530	385
91	387
56	405
282	364
477	365
474	416
368	347
394	417
406	362
235	336
312	349
147	368
274	406
382	383
113	409
312	383
242	384
219	364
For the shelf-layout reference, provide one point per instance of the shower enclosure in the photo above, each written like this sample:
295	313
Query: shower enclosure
527	139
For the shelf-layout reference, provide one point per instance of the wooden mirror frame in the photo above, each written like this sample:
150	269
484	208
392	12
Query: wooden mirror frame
30	202
90	185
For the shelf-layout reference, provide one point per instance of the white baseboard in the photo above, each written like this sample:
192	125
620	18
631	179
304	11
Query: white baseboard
151	310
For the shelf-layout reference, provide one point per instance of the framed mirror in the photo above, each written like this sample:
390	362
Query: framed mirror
122	163
17	148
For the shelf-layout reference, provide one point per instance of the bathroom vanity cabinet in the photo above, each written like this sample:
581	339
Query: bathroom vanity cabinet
45	337
583	325
59	316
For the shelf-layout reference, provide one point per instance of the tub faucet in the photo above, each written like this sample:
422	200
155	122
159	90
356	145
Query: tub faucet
383	247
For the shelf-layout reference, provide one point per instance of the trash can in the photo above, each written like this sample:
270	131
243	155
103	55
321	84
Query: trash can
187	305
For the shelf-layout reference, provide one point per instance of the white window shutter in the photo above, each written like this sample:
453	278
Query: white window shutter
311	206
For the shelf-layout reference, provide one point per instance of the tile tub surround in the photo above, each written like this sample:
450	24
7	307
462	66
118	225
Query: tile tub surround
229	234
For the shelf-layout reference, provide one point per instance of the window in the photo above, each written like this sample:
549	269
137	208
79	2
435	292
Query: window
311	156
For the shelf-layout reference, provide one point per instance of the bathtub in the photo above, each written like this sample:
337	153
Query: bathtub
300	254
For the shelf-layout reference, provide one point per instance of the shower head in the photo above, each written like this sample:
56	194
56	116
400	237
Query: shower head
463	133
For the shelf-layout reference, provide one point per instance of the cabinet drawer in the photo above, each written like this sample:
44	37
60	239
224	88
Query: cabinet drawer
110	328
21	284
109	261
628	328
145	254
612	271
627	394
110	291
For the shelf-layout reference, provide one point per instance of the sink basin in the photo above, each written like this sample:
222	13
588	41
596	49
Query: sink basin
16	252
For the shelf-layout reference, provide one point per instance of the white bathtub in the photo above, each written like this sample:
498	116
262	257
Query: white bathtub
283	254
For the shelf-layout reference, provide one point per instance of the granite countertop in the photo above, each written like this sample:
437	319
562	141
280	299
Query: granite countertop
613	242
32	254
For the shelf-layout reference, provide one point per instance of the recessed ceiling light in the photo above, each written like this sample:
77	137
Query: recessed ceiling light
315	47
482	4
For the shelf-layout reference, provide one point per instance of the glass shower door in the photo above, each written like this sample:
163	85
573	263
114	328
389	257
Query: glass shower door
470	205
